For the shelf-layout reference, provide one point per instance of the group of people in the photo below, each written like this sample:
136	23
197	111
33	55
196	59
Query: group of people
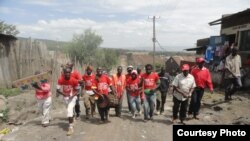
140	89
145	91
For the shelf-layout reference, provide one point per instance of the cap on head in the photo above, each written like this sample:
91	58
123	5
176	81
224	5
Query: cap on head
185	67
134	72
130	67
200	60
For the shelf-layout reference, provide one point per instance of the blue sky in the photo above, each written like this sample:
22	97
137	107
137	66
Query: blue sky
122	24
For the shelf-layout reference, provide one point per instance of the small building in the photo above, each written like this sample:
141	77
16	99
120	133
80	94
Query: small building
201	46
235	28
174	63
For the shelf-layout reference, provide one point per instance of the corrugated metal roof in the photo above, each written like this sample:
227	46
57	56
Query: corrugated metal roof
218	21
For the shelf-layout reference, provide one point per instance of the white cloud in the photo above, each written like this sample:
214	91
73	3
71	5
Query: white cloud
181	22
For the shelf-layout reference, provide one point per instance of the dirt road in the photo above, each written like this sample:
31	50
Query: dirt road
118	129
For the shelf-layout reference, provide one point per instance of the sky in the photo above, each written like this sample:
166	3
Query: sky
121	23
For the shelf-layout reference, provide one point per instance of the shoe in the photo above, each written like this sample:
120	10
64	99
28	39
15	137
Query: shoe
139	113
70	131
190	115
45	124
151	118
118	115
158	112
182	122
146	119
196	117
87	117
133	116
101	121
174	120
93	114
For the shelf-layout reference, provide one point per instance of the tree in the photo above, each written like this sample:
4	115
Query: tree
83	46
8	29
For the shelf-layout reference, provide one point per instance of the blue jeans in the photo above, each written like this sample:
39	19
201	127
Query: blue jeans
135	103
128	97
149	105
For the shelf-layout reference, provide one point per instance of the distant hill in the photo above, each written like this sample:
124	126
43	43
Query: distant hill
59	45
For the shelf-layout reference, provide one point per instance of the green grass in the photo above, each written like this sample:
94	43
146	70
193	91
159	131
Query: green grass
5	117
7	92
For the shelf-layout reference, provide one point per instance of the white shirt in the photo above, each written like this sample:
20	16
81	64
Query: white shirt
233	64
183	83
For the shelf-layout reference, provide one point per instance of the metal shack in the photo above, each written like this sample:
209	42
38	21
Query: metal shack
235	28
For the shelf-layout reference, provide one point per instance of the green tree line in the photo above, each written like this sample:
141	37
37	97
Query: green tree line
85	48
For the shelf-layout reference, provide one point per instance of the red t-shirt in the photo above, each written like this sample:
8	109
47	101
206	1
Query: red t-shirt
45	92
150	80
102	85
128	76
134	85
202	77
69	87
75	74
88	81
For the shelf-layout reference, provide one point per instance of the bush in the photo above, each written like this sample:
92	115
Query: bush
5	116
9	92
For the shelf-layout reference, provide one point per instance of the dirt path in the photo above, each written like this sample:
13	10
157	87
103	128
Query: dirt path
118	129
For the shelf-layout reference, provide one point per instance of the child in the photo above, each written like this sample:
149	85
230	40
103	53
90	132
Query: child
44	100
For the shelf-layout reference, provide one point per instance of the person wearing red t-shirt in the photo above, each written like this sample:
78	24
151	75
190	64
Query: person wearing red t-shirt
128	76
101	86
150	85
88	95
134	86
69	88
119	83
75	74
202	79
44	100
139	75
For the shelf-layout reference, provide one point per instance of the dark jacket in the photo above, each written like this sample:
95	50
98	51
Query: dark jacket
165	81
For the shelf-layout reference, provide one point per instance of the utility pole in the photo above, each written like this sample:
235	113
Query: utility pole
154	40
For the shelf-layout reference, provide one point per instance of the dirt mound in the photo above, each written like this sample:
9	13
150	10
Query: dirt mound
24	107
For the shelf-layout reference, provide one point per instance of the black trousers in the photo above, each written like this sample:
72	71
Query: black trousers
160	103
180	106
104	109
77	106
195	102
231	86
118	109
103	113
